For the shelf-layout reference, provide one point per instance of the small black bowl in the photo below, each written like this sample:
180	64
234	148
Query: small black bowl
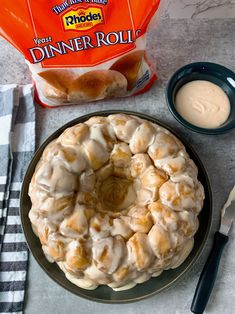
207	71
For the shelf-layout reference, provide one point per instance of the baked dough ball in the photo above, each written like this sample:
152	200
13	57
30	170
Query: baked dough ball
99	84
115	201
56	83
129	66
140	252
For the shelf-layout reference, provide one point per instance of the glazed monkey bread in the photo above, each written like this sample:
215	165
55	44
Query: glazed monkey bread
115	201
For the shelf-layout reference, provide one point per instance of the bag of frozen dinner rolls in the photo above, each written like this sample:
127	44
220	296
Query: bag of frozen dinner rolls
82	50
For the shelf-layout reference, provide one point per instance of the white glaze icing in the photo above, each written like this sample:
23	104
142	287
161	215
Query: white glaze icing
115	201
203	104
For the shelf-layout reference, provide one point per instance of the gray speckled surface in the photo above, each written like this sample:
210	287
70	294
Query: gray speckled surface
175	42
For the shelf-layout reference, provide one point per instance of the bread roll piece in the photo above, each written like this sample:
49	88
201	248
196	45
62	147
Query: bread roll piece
57	83
129	66
96	85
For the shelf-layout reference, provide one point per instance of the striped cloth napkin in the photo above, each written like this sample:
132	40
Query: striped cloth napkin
17	144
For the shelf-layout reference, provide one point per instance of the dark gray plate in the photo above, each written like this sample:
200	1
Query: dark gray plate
104	293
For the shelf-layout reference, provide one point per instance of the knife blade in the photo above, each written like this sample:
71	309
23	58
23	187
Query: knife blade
228	213
207	278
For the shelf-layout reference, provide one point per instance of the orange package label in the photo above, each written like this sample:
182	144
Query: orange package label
82	50
82	28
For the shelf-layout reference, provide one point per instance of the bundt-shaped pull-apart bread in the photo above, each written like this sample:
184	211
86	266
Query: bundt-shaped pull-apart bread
115	201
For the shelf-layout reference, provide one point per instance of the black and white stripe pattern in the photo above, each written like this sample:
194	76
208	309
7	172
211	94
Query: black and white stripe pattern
17	144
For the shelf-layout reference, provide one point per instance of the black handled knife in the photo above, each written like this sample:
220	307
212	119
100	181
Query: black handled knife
209	272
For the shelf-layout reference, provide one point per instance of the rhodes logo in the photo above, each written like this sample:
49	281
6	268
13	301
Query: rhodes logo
82	19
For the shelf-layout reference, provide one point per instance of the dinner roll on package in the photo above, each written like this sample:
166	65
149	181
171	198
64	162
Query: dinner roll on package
82	50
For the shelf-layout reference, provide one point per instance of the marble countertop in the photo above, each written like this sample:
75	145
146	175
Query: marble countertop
187	31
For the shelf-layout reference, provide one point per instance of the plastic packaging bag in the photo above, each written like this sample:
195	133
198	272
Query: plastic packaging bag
82	50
